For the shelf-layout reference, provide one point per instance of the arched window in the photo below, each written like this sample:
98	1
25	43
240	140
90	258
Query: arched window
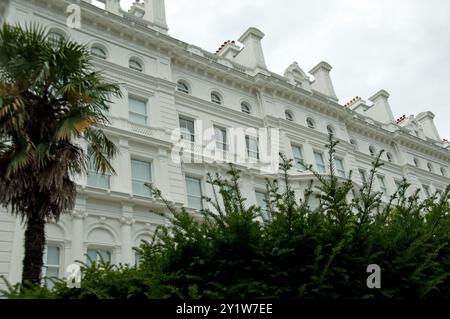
310	123
55	37
245	108
430	167
182	86
98	52
216	98
353	142
330	130
372	150
416	162
135	65
389	157
289	116
443	172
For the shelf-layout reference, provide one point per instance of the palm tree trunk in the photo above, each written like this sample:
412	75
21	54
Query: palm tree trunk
34	250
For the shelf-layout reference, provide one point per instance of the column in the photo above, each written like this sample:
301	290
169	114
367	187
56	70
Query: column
121	182
78	216
126	221
17	252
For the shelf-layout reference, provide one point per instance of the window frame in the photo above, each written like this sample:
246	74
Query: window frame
184	130
216	98
60	34
186	89
248	149
188	195
98	249
381	180
224	142
330	130
140	67
299	166
310	123
363	175
46	265
247	107
426	190
265	214
138	115
321	167
340	170
93	175
289	116
137	180
101	49
372	150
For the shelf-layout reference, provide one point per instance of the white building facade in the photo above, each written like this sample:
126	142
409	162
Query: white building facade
168	84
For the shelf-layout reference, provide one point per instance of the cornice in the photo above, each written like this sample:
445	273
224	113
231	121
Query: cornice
176	49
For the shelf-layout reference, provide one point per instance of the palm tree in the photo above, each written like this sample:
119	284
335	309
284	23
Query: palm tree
50	100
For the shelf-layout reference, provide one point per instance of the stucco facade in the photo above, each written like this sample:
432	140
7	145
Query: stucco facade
164	81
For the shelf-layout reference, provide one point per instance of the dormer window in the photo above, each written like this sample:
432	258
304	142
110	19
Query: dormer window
430	167
353	142
416	162
443	172
135	65
289	116
310	123
182	86
98	52
216	98
245	108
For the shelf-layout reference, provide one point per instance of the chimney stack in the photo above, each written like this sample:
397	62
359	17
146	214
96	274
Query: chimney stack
252	54
322	80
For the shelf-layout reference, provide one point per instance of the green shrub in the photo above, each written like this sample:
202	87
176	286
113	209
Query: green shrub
302	252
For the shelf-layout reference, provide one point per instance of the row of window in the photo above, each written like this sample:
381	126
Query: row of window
53	264
390	158
215	97
140	174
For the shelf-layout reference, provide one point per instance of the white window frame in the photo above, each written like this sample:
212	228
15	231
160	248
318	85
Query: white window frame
45	257
186	134
363	174
289	116
382	184
321	168
221	144
426	190
340	170
139	180
98	249
138	115
96	179
99	52
310	123
199	197
135	65
251	152
216	98
264	210
183	87
298	160
245	108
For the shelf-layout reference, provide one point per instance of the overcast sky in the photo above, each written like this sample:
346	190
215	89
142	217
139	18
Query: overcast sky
402	46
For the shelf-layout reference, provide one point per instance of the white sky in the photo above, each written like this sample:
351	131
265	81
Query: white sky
402	46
